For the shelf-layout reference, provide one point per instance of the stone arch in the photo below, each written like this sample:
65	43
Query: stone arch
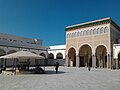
71	57
101	45
69	49
88	32
95	31
106	29
78	34
59	56
101	30
85	55
98	31
51	56
67	36
75	34
85	44
91	32
70	35
119	60
84	32
101	56
11	51
2	52
43	54
81	33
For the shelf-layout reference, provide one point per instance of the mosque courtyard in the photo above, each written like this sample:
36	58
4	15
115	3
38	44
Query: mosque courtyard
68	78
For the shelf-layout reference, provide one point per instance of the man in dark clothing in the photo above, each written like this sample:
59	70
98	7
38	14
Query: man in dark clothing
88	66
56	67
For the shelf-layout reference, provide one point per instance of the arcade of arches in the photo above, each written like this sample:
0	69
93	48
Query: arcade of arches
86	57
118	60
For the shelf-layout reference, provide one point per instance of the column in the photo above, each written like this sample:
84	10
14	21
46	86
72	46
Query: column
66	57
77	61
117	63
93	61
1	62
108	61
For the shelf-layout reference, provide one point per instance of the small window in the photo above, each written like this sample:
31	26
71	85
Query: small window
106	29
102	30
98	31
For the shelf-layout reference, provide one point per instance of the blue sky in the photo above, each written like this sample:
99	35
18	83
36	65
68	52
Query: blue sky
47	19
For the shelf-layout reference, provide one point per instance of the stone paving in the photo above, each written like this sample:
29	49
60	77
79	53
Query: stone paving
68	78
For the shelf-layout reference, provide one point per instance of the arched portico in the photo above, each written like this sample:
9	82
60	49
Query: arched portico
59	56
51	56
101	56
71	57
2	52
43	54
85	56
118	61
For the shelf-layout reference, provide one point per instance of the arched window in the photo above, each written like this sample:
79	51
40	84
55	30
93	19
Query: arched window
2	52
51	56
101	30
59	56
98	31
43	54
81	33
72	35
75	34
106	29
67	36
88	32
84	33
91	32
94	31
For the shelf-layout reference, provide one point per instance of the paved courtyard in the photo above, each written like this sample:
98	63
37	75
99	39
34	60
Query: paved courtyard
69	78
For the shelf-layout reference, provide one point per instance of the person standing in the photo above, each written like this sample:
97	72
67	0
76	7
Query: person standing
88	66
56	67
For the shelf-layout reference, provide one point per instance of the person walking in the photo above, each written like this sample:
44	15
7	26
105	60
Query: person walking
56	67
88	66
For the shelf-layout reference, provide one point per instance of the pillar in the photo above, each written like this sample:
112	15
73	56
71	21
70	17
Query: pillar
77	61
117	66
108	61
66	57
93	61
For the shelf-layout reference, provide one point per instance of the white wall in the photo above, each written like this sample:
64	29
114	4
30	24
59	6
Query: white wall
57	49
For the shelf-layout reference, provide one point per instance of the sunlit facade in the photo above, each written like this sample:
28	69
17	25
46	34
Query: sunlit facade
92	43
56	54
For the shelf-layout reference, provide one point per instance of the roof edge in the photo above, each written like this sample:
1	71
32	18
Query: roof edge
87	24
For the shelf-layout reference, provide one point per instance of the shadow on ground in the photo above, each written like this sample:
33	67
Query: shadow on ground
53	72
47	72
